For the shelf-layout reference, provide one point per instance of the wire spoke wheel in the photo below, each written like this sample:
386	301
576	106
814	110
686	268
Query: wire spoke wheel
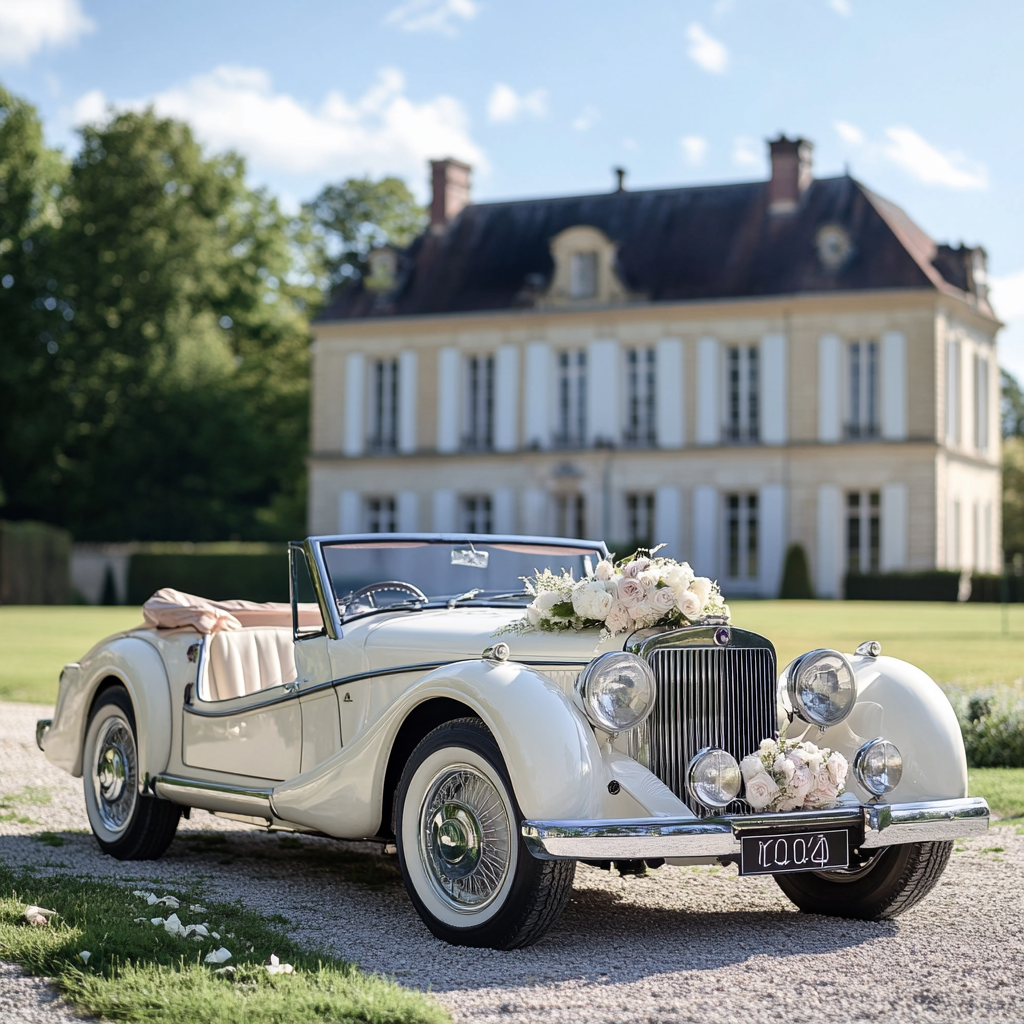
115	774
465	838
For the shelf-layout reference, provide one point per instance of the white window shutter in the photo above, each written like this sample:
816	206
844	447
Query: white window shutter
444	511
894	527
503	510
667	521
830	542
709	427
704	554
350	512
535	512
355	391
537	400
408	366
772	535
894	386
774	378
604	415
408	511
829	377
506	399
449	406
668	394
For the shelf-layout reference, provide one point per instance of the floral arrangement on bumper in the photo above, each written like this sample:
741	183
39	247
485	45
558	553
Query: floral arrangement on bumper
633	593
786	775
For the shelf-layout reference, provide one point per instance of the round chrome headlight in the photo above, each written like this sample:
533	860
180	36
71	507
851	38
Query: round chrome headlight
878	766
822	687
617	690
713	777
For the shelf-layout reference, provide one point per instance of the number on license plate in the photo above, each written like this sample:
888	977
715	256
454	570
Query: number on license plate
794	851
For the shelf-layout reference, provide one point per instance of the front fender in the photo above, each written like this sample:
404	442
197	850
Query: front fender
899	702
139	667
550	750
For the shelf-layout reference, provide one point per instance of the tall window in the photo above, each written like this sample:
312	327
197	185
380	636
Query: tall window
583	275
741	536
742	407
381	516
476	513
640	412
640	516
569	516
981	403
953	392
571	425
479	419
862	378
954	548
383	405
863	531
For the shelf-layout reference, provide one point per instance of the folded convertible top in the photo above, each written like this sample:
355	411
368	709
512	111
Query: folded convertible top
171	609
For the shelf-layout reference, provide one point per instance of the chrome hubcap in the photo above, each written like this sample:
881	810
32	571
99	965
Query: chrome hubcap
465	838
115	776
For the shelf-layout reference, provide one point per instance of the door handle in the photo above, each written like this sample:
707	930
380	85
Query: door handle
292	687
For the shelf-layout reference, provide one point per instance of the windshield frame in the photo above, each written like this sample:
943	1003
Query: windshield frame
329	599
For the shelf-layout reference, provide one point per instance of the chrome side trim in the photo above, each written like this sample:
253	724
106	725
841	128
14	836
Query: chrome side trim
214	796
213	710
639	838
42	728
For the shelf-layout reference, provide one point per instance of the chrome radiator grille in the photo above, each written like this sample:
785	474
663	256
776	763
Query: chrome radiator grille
707	697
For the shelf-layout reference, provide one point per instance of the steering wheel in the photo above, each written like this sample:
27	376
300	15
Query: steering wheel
374	588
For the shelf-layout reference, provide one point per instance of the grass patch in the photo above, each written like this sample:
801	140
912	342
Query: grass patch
11	803
138	972
37	642
1003	788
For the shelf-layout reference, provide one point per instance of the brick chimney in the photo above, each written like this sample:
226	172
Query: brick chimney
449	180
791	173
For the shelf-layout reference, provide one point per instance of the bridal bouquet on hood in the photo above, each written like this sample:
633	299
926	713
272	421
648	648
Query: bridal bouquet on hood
632	593
786	775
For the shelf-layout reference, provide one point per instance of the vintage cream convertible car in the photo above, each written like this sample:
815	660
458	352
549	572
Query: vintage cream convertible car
382	706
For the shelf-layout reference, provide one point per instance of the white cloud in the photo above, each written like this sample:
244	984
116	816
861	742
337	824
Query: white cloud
841	7
381	132
921	160
694	149
849	132
1007	295
432	15
705	51
505	104
586	119
745	152
89	107
26	26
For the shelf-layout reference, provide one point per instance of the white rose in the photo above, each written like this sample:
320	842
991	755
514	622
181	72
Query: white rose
605	570
633	569
648	580
663	600
591	600
785	767
689	604
546	600
631	592
761	790
679	576
533	614
768	746
837	768
802	779
823	790
618	618
701	586
750	766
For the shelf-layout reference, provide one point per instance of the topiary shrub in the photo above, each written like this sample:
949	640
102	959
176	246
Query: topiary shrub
796	575
993	730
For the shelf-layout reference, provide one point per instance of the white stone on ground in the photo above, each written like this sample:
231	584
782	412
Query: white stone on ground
682	945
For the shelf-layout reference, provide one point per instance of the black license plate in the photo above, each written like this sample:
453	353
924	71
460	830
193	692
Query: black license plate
794	851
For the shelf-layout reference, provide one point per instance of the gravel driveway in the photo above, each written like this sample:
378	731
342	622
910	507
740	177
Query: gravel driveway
697	944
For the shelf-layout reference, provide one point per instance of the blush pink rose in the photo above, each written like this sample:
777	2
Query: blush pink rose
663	600
631	592
618	618
604	571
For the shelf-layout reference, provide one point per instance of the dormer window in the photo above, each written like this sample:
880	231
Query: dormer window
583	275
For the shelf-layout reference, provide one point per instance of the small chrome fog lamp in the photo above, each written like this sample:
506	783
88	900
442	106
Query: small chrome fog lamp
878	765
822	687
617	690
713	777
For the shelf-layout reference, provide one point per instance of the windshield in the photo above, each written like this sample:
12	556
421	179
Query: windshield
472	570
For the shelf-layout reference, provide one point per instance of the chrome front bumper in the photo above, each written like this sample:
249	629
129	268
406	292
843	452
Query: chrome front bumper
872	825
42	728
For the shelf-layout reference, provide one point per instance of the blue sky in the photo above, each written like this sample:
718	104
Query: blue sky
921	98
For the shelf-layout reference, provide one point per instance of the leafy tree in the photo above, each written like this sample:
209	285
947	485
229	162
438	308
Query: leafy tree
30	316
360	215
1012	405
184	369
1013	498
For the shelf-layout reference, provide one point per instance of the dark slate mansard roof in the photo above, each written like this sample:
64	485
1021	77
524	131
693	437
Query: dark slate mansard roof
674	245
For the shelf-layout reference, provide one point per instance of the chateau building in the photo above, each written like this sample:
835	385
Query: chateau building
726	369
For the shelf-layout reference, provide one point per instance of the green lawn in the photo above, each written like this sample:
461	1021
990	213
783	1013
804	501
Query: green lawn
957	644
1003	788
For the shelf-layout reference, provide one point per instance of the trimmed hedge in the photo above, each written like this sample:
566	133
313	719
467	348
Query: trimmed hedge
929	585
35	564
796	575
252	575
993	729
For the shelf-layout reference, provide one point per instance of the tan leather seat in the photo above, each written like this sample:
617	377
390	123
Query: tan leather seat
242	661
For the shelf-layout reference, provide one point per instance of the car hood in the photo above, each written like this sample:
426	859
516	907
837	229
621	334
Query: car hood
441	634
